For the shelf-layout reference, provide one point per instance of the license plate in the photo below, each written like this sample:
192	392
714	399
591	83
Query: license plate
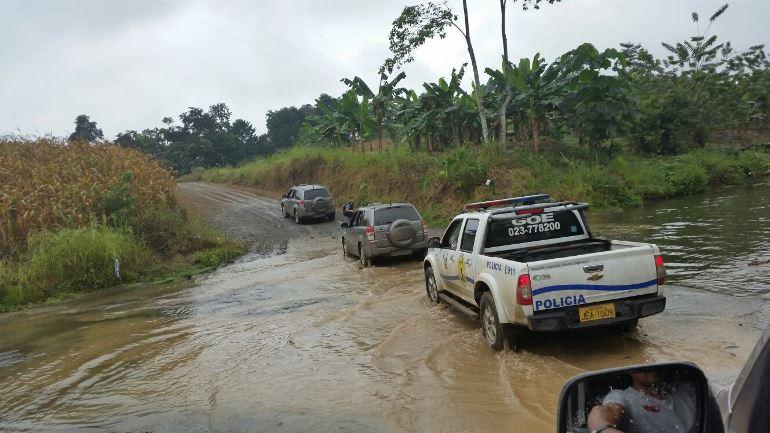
597	312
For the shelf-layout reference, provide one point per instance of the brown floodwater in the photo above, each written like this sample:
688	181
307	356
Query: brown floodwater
303	340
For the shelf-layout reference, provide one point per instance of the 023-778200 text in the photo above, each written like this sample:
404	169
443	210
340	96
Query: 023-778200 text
534	228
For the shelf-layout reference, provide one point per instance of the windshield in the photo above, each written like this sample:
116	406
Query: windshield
315	193
532	228
389	214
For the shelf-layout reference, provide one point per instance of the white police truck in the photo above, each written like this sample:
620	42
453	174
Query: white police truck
531	263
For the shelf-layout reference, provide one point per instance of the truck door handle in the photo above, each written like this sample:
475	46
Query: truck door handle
593	268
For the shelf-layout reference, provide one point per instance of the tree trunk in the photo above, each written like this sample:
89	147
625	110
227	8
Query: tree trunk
479	95
507	99
535	135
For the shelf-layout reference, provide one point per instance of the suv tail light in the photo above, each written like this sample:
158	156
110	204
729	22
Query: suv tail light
424	228
524	290
370	233
302	203
660	269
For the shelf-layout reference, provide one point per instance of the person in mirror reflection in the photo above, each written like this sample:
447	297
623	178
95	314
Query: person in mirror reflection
649	405
349	211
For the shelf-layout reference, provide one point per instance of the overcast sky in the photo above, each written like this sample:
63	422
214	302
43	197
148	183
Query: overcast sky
129	63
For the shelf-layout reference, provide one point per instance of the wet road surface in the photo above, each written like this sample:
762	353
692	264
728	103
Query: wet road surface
303	340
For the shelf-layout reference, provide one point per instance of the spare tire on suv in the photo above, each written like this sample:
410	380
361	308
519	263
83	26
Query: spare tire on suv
402	233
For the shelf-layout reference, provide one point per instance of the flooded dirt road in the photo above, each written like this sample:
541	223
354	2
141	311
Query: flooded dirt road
303	340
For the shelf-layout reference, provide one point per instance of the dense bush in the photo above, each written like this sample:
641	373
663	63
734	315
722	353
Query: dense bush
80	260
68	210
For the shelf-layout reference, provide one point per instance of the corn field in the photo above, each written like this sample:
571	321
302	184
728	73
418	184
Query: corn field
50	184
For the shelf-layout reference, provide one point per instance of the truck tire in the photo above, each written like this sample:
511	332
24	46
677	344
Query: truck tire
490	324
431	286
629	326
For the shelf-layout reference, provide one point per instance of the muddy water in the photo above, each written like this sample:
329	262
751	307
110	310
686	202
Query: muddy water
306	341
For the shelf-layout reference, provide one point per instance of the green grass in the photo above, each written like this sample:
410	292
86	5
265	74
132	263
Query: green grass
62	264
439	184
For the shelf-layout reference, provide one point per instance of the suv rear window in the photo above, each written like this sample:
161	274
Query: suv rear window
532	228
387	215
310	194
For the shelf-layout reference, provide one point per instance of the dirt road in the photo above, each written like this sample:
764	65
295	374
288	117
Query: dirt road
301	339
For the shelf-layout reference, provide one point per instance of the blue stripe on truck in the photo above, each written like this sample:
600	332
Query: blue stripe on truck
595	287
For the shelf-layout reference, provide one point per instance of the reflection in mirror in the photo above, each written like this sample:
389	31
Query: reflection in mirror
434	243
662	398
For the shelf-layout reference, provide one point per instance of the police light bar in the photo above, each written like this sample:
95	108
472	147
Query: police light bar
527	199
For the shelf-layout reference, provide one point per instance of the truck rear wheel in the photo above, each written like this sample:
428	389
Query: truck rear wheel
629	326
490	324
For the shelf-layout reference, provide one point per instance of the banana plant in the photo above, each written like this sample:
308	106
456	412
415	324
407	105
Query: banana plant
382	101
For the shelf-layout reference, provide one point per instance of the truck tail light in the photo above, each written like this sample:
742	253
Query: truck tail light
370	233
660	269
524	290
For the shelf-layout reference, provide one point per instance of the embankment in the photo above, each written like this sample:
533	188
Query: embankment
440	183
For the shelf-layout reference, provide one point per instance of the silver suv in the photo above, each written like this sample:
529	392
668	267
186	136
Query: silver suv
307	201
384	230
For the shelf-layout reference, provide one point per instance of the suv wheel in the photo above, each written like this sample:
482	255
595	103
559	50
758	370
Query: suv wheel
345	252
363	257
490	324
283	212
297	219
330	217
430	286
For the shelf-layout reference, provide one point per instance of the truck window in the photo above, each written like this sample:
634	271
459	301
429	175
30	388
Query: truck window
469	235
387	215
532	228
451	236
315	193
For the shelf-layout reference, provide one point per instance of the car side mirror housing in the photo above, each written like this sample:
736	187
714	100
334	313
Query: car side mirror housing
434	242
344	226
675	393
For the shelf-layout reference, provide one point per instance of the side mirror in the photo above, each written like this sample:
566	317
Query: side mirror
344	226
434	243
672	397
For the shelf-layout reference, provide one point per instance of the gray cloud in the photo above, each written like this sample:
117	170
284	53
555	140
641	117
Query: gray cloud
130	63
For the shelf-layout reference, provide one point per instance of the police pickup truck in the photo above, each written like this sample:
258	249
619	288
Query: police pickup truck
531	263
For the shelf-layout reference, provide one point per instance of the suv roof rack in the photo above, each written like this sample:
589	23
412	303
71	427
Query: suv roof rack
524	200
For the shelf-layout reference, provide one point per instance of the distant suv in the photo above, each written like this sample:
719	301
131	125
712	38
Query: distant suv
384	230
307	201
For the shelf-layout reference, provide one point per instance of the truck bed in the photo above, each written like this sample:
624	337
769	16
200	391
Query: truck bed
558	251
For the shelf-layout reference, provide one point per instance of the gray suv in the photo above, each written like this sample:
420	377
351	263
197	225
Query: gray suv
384	230
307	201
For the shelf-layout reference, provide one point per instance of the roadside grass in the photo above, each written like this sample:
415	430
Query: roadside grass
439	184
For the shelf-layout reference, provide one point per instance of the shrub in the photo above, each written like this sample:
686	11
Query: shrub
80	260
687	179
226	252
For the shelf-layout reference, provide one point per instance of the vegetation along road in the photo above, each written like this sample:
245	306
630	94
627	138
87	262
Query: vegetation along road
293	337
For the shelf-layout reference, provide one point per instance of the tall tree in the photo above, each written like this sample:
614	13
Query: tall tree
525	4
86	130
420	23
